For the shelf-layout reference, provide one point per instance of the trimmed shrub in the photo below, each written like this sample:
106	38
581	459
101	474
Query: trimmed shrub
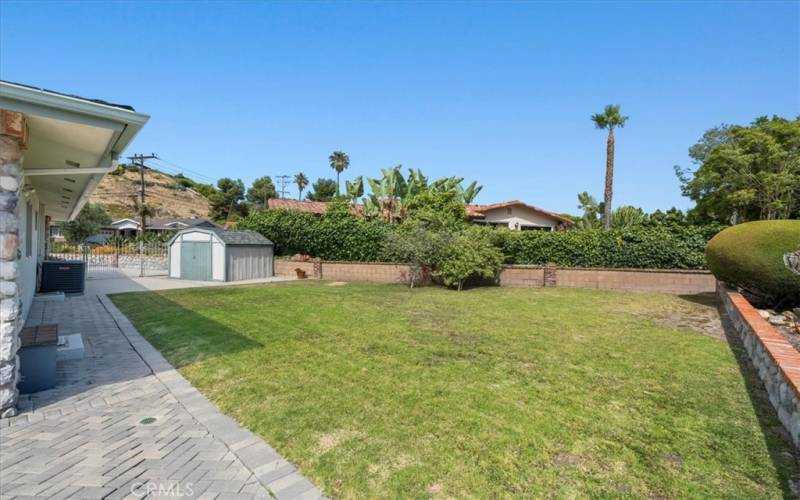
675	247
334	236
470	254
750	256
339	235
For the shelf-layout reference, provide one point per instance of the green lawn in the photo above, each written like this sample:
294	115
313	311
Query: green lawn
379	391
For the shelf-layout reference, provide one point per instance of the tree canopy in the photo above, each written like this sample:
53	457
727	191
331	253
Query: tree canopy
322	190
339	161
610	118
225	201
260	191
746	173
89	221
301	181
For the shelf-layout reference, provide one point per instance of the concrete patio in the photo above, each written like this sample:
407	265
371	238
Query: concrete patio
116	282
122	423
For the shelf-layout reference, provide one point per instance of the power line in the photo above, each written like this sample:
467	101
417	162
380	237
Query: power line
283	180
180	169
139	160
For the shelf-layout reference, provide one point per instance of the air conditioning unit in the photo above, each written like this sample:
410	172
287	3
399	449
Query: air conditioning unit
68	276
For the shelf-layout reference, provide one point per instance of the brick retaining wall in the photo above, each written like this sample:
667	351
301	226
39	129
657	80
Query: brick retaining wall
358	271
777	362
647	280
379	272
287	268
640	280
643	280
522	276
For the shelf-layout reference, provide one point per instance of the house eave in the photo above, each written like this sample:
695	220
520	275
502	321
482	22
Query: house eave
123	124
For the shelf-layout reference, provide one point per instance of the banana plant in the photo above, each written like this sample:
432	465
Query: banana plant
354	190
389	194
417	183
469	193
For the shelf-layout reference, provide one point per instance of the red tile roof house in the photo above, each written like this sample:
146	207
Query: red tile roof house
54	150
515	215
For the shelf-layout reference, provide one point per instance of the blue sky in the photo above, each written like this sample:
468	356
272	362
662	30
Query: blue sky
497	92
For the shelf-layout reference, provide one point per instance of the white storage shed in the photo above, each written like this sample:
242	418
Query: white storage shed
212	254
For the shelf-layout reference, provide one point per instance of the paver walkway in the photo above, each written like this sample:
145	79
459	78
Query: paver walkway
92	437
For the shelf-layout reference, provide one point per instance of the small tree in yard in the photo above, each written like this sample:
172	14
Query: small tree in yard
470	254
88	222
421	247
792	261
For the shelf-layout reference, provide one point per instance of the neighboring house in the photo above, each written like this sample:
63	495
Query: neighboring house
518	216
129	228
54	150
515	215
313	207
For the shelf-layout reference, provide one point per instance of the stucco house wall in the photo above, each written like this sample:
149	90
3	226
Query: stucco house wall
519	218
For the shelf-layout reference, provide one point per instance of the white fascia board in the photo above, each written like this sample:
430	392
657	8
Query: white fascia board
60	107
126	124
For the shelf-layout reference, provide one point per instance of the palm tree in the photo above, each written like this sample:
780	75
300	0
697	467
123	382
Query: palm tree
609	119
339	161
302	181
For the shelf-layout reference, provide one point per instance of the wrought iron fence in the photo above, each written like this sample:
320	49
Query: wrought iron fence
130	258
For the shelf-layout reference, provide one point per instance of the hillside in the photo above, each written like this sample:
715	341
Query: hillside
116	192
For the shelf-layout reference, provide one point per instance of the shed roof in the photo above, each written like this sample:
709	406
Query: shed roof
239	237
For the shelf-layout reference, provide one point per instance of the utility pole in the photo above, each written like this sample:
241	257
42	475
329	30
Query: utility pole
283	180
138	160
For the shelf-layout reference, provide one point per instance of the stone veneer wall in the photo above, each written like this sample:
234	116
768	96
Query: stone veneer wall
777	362
12	142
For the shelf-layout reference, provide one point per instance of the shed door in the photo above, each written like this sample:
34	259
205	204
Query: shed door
196	260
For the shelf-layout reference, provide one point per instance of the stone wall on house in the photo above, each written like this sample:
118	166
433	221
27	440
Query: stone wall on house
774	358
12	143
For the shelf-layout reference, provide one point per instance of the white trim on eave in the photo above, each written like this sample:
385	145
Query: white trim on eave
124	123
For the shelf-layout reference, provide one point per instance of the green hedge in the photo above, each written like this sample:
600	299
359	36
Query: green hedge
642	247
328	237
344	237
750	255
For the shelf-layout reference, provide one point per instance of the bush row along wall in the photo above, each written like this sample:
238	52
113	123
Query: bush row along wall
775	360
351	239
674	281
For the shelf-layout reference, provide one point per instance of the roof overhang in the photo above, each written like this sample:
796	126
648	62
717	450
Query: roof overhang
72	144
125	224
479	211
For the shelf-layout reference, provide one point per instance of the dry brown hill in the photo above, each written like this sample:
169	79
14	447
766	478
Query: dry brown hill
116	193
